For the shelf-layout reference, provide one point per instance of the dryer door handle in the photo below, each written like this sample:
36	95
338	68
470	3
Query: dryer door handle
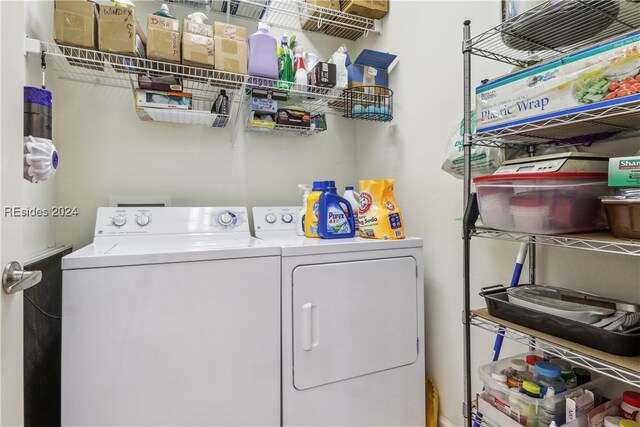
309	326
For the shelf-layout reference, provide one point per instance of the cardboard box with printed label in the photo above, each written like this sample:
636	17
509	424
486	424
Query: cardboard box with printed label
370	69
197	44
120	32
75	23
229	31
230	55
321	18
163	38
374	9
597	77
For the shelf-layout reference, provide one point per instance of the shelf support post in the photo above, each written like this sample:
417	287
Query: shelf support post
466	230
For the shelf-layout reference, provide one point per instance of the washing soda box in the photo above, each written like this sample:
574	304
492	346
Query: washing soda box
379	215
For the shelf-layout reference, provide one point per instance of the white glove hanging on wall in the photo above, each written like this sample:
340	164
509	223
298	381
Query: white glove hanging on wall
40	159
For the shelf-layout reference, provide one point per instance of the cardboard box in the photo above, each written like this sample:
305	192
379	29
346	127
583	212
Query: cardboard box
624	171
197	44
119	31
374	9
289	117
230	55
163	38
228	31
75	23
263	105
323	75
370	69
160	99
596	77
310	8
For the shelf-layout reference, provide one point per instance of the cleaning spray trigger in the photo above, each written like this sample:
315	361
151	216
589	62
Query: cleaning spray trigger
197	17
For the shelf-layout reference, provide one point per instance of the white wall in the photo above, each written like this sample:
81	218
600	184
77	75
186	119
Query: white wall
428	104
105	150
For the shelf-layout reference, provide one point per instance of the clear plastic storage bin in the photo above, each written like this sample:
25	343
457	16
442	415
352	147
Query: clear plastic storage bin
528	411
542	203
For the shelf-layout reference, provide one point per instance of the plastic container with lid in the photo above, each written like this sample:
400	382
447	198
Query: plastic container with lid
547	376
542	202
630	405
531	361
623	212
566	374
529	411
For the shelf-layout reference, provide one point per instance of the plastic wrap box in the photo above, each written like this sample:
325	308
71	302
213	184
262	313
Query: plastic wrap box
527	410
75	23
197	44
289	117
603	75
542	203
163	38
374	9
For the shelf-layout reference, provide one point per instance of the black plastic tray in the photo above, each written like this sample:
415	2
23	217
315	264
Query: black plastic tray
582	333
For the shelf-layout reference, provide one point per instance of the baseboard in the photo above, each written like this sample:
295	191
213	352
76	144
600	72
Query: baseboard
443	422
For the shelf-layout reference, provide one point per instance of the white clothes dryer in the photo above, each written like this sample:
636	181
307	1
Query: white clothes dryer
171	317
352	327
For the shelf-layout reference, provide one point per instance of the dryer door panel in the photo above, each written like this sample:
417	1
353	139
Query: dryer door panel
352	319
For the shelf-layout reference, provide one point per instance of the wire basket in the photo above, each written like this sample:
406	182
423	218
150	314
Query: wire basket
373	103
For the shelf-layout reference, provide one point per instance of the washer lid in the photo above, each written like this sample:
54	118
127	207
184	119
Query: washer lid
114	252
293	245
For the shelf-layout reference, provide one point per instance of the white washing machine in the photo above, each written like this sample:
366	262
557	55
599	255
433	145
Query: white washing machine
171	317
352	327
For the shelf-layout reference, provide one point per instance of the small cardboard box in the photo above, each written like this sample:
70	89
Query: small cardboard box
624	171
310	8
323	75
264	105
197	44
146	98
163	38
230	55
228	31
370	69
75	23
119	31
374	9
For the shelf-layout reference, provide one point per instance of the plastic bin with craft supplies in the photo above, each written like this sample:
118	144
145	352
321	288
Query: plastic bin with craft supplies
521	406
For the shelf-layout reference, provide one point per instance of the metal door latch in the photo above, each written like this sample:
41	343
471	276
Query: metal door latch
15	279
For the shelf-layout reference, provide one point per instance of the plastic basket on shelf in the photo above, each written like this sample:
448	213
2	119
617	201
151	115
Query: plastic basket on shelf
373	103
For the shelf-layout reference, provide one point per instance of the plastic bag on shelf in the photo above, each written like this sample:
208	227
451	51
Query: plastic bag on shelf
484	160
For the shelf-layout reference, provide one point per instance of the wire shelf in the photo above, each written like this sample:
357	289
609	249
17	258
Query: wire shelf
606	120
553	29
620	368
596	241
185	117
297	15
101	68
282	130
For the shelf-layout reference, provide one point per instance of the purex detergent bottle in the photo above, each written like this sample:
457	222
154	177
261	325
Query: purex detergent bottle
336	215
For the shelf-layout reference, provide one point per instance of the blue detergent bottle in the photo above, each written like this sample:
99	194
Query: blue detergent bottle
336	215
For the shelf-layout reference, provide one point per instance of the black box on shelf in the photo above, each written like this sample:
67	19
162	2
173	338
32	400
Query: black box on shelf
290	117
323	75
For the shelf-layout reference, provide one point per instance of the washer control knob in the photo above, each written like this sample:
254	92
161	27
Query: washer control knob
143	220
226	218
287	218
270	218
119	220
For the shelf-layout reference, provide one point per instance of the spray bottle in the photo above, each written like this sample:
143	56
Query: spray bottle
285	65
164	12
305	189
339	57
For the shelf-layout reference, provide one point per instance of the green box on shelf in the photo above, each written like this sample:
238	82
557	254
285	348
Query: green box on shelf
624	171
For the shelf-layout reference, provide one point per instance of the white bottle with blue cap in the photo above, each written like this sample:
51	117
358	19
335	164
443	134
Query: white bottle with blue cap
354	200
